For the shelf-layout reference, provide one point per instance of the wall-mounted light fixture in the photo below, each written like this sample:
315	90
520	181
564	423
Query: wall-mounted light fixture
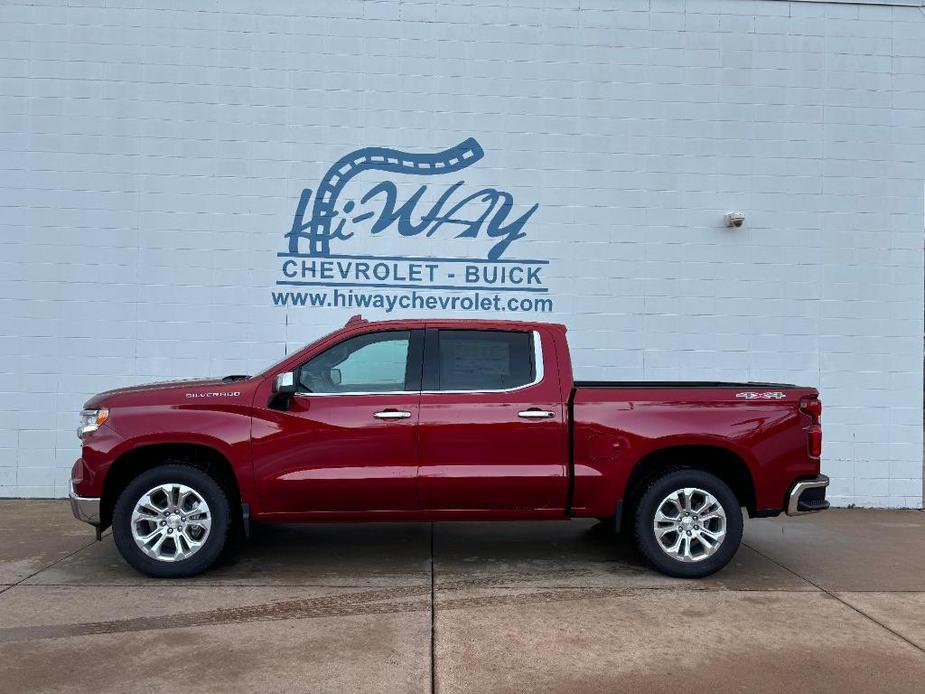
735	219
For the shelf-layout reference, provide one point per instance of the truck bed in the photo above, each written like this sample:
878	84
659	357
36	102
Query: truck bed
617	424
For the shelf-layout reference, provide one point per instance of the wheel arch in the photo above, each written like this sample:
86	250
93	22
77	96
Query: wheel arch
717	460
134	462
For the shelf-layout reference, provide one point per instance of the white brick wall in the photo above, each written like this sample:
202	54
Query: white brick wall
152	156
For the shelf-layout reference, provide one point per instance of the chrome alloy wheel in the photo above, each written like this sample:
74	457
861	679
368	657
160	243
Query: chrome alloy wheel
690	524
171	522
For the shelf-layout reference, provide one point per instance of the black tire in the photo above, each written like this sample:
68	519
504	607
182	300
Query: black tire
644	519
205	486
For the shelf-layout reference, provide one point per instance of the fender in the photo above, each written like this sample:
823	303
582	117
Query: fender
711	440
129	429
609	458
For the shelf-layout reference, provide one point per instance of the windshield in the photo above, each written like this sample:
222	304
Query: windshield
277	363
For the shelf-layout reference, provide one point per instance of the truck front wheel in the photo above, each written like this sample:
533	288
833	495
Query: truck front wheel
171	521
688	523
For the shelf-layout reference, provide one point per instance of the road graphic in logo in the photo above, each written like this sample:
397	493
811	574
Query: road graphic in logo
318	263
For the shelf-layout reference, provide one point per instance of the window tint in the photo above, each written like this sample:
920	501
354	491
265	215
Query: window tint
371	363
484	359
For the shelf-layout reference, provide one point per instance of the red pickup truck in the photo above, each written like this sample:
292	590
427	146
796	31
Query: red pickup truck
443	419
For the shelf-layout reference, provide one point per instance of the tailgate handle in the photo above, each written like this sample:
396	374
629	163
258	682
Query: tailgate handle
536	413
392	414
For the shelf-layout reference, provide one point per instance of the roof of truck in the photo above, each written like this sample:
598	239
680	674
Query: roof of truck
483	323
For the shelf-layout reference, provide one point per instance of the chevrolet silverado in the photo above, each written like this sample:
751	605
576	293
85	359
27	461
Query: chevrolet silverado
443	419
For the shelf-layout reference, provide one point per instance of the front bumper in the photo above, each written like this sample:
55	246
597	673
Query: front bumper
808	496
86	509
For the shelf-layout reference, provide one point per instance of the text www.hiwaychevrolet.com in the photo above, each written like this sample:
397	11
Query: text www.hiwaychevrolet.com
473	301
400	284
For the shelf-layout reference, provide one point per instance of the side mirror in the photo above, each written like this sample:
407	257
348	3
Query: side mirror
284	383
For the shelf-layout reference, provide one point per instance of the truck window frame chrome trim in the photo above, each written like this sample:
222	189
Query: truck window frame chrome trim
538	376
415	363
538	373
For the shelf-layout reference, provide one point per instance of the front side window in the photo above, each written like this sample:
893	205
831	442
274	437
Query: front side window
371	363
484	360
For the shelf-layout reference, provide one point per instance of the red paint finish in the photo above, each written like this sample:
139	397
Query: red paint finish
617	428
477	453
181	413
457	454
332	454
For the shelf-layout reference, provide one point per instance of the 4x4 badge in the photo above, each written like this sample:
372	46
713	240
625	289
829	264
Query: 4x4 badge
770	395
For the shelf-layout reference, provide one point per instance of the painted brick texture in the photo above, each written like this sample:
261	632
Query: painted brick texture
152	156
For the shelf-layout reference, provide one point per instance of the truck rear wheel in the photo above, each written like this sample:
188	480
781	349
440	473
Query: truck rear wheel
171	521
688	523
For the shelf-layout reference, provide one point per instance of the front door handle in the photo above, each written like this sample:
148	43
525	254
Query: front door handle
392	414
535	413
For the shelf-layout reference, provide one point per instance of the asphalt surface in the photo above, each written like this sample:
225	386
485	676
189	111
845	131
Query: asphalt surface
828	603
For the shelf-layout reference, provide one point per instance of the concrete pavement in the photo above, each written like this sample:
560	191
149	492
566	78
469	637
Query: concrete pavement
827	603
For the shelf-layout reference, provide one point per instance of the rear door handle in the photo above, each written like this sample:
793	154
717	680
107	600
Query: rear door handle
392	414
535	413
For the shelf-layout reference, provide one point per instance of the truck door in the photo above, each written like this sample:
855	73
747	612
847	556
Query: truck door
347	442
493	432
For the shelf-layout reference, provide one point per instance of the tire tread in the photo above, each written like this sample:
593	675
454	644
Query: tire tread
219	533
647	544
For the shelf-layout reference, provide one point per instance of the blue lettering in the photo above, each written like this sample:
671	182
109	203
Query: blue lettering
381	271
487	210
390	215
472	226
509	233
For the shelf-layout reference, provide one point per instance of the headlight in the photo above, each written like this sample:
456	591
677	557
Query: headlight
91	420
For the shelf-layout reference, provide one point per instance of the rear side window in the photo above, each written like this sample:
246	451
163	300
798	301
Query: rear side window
484	360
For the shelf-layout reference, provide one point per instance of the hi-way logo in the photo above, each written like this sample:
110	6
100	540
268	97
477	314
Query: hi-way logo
342	216
488	208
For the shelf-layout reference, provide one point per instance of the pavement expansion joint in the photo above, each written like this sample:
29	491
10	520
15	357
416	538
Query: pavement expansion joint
839	599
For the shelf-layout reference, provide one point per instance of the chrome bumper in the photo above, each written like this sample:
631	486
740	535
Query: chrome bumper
86	509
814	500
